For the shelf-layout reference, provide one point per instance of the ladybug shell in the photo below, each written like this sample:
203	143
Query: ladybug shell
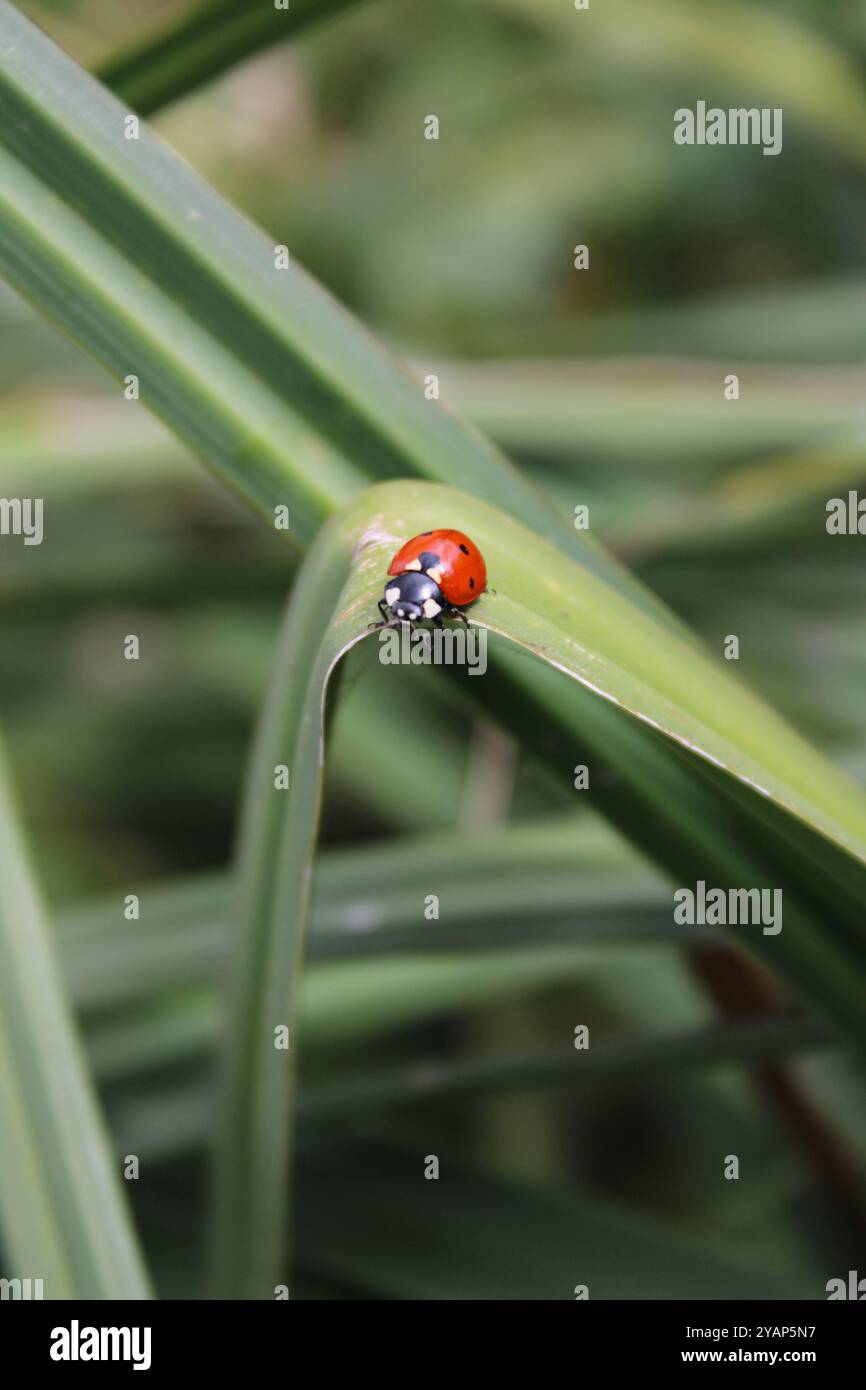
448	557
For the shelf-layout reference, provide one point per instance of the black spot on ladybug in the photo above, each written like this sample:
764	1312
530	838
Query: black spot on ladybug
426	533
472	583
465	549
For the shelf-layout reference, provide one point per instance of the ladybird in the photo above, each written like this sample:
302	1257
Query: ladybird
434	573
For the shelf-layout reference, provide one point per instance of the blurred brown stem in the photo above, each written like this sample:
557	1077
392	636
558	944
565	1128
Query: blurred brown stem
739	988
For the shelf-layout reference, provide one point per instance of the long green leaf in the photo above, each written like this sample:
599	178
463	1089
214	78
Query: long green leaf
257	368
275	878
565	881
652	416
350	1001
470	1237
63	1217
761	1040
184	51
162	1121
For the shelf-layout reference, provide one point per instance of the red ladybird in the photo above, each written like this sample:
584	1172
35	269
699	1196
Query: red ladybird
435	571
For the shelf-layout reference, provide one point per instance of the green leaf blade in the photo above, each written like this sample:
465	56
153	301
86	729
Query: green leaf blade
63	1216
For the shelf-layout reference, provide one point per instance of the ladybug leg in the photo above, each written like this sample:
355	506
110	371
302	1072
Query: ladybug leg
387	620
459	615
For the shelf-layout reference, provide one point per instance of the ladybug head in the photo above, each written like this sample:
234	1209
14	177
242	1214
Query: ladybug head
413	596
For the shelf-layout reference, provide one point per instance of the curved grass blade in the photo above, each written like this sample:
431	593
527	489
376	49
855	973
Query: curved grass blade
278	835
63	1217
708	736
575	623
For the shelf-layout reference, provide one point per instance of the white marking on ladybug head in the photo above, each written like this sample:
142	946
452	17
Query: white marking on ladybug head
431	608
414	565
391	596
436	574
